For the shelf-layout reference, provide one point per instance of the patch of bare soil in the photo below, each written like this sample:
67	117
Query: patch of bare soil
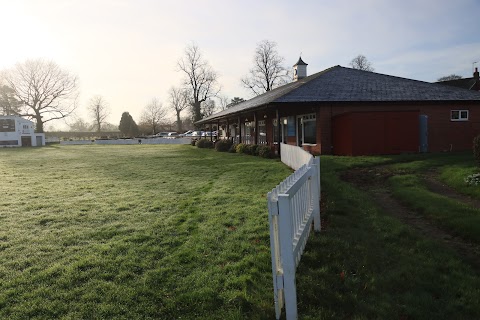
374	181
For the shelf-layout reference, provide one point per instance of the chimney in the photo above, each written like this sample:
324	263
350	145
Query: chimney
476	75
299	70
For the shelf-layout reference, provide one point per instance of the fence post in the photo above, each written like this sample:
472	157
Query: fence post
288	261
317	196
275	252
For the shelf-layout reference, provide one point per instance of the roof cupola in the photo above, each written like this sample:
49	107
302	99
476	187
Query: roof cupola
299	69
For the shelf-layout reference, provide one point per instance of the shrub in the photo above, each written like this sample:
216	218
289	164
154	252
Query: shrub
240	148
473	179
476	149
264	151
194	142
223	145
251	149
204	143
233	148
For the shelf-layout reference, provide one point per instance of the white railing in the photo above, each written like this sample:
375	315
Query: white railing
293	205
294	156
130	141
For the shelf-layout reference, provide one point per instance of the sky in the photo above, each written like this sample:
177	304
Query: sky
127	51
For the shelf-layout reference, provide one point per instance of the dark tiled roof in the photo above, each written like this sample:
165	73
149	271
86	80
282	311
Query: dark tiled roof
300	62
466	83
340	84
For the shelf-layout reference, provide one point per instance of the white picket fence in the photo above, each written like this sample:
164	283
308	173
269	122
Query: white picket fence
293	156
292	206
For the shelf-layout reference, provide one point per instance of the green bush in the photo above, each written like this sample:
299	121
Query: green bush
233	148
223	145
205	143
251	149
264	151
240	148
476	149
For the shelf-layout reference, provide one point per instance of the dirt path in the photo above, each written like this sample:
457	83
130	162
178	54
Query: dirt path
374	180
433	184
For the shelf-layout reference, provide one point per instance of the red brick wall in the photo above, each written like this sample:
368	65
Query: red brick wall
443	134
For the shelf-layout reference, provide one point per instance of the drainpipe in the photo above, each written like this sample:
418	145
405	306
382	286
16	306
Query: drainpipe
277	113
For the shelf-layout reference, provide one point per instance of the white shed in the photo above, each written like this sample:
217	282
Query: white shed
18	132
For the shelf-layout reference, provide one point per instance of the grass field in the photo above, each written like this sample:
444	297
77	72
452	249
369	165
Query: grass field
134	232
176	232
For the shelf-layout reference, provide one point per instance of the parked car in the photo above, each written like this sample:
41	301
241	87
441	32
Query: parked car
208	134
197	134
187	133
161	134
172	135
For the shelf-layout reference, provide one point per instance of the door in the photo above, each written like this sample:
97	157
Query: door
39	141
26	141
423	133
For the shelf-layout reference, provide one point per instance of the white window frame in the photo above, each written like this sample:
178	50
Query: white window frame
460	118
310	117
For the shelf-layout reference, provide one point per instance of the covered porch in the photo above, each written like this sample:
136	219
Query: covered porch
270	125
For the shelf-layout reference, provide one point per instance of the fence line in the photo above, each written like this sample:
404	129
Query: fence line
294	156
130	141
293	206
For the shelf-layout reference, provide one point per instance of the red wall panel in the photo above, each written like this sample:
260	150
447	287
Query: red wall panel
370	133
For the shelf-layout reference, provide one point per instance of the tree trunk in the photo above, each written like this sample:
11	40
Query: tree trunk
197	114
39	127
179	123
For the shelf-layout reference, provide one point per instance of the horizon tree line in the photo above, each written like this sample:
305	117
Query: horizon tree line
43	91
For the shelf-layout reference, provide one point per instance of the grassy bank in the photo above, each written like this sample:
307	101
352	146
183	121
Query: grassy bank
369	265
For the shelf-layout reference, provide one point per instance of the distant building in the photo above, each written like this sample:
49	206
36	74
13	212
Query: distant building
465	83
18	132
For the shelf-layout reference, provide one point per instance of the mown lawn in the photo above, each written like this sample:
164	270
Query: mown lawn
134	232
176	232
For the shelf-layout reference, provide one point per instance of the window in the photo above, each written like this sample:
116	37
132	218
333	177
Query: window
307	129
283	130
459	115
262	132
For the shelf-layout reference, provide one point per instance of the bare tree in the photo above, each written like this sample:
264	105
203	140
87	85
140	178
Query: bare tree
450	77
223	102
360	62
200	79
152	114
46	91
99	111
79	125
208	107
268	71
178	101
